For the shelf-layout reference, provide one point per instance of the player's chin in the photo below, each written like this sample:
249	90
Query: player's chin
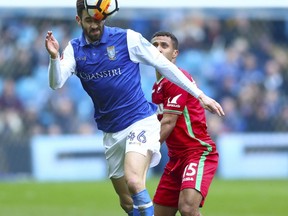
94	35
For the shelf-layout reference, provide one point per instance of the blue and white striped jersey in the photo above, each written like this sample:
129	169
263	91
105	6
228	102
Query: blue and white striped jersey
109	72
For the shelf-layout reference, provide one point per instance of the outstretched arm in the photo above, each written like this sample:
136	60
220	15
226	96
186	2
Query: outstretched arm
143	51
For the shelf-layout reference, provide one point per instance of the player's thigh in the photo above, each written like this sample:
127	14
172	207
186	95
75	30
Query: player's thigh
160	210
189	199
142	147
136	165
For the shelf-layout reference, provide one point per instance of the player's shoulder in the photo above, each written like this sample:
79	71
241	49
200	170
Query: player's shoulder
115	30
187	74
79	41
75	41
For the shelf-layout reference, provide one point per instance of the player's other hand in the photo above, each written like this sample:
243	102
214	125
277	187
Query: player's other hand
211	105
51	45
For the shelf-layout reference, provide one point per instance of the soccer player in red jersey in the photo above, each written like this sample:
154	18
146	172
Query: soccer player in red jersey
193	158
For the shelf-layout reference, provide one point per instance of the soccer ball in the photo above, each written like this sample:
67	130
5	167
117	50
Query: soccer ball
101	9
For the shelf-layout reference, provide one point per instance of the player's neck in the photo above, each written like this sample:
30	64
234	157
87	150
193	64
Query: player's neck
158	76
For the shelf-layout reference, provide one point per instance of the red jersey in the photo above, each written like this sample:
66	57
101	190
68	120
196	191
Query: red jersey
190	132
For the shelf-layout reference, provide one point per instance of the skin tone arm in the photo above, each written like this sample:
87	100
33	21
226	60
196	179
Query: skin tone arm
168	123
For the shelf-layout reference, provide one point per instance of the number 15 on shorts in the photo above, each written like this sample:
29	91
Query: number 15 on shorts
189	172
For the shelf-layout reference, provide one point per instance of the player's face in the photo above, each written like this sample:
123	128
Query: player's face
165	45
93	29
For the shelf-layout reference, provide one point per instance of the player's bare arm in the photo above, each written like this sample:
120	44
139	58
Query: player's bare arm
168	123
51	45
211	105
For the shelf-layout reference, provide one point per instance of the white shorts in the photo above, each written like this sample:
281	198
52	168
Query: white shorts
139	137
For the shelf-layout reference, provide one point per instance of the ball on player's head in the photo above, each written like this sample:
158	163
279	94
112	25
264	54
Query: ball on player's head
101	9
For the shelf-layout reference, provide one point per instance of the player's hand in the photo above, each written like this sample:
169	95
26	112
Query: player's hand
51	45
211	105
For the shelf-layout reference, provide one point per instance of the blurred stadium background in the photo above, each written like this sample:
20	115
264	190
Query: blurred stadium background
238	54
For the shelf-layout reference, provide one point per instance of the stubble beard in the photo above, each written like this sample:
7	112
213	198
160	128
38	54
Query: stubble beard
91	36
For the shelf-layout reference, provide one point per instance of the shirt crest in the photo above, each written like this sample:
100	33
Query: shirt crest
111	52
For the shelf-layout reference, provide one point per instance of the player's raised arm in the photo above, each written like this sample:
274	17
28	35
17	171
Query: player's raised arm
51	45
59	71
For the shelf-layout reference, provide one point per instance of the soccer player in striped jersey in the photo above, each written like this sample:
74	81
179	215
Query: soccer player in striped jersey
106	61
193	157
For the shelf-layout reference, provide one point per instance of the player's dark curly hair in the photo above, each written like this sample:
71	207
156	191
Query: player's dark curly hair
80	7
168	34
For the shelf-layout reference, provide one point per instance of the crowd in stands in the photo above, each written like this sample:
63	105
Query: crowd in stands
241	62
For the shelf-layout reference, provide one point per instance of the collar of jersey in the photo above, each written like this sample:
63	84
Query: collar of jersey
103	39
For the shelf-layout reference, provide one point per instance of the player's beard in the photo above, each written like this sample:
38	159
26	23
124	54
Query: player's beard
93	34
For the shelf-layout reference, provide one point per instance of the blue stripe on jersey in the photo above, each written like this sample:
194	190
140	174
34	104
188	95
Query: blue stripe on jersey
112	80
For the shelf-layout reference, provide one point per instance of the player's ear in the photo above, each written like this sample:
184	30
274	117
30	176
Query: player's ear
78	20
175	54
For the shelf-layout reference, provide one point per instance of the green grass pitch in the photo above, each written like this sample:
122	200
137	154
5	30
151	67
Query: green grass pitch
225	198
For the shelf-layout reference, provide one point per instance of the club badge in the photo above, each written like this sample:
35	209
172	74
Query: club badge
111	52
